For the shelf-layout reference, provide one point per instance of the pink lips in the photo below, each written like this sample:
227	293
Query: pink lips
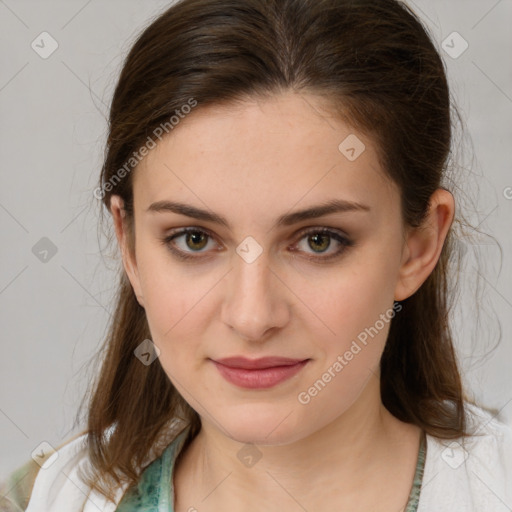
259	373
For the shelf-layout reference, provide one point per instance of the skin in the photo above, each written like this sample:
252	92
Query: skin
252	162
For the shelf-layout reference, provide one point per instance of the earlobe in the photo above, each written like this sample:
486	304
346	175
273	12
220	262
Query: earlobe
424	244
129	262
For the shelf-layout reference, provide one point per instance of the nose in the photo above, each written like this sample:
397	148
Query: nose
256	298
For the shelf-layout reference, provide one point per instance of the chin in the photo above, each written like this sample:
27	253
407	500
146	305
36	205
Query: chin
260	428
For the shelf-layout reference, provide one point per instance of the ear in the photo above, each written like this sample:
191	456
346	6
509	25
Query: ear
423	245
123	239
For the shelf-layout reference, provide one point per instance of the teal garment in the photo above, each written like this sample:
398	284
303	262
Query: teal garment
155	491
414	496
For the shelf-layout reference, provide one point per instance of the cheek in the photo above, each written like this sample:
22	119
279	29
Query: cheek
350	301
356	310
359	312
178	306
170	290
167	298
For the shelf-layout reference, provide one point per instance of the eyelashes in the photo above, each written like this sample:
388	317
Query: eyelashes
318	236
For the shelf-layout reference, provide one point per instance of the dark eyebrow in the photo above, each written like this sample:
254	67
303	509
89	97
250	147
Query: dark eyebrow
288	219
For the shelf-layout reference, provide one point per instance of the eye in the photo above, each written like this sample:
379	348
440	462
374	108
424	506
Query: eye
320	240
195	240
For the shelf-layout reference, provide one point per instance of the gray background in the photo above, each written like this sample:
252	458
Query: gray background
52	131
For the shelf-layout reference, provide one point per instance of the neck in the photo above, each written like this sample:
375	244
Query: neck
345	455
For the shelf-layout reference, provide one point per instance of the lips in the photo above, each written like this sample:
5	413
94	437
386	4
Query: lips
258	364
258	373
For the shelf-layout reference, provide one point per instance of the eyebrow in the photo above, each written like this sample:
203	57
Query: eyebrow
288	219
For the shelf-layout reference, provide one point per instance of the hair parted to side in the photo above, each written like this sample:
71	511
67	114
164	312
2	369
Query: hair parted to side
375	65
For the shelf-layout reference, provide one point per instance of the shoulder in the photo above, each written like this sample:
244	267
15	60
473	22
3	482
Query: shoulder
470	474
56	484
16	487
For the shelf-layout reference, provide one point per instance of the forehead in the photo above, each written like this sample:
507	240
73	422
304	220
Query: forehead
262	156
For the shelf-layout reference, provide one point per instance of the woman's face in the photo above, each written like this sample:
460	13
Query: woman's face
256	287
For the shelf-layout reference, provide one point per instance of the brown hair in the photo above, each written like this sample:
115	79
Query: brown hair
375	65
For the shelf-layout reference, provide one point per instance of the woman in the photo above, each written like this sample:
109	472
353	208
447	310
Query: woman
275	171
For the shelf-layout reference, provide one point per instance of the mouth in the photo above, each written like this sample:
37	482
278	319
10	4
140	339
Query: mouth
260	373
